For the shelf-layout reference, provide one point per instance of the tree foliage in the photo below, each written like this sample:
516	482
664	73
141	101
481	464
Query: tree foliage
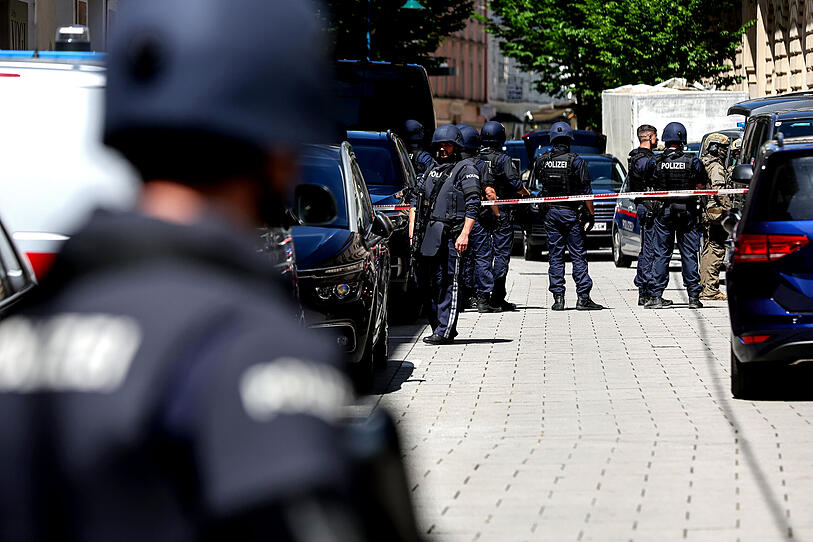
397	35
587	46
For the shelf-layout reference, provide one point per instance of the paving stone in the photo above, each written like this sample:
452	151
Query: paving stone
611	425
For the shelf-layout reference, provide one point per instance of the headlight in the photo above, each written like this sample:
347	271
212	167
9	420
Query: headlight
342	291
324	292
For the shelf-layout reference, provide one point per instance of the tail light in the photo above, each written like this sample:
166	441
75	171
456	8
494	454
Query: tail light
754	339
752	247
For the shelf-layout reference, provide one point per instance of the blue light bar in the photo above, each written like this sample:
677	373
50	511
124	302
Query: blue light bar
81	56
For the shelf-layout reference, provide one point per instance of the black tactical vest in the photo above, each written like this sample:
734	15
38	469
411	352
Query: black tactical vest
446	201
637	182
673	171
556	174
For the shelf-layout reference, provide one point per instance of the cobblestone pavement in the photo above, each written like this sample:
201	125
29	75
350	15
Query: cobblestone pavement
611	425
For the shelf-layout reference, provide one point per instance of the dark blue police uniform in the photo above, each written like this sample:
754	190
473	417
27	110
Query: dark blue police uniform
477	273
161	389
506	181
422	161
678	219
453	191
638	182
562	173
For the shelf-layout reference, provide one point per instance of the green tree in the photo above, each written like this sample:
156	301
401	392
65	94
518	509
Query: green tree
587	46
397	35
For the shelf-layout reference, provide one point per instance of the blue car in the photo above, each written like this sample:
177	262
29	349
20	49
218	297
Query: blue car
607	175
391	180
770	276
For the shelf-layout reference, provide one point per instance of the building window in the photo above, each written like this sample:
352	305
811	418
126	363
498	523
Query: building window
81	15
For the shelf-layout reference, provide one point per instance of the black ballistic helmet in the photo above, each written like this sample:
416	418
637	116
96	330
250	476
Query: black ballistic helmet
413	131
196	88
674	132
471	137
448	133
492	133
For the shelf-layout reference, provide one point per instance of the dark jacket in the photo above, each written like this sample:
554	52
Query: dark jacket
165	390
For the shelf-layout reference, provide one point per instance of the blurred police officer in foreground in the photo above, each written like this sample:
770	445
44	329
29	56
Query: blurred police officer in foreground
451	201
636	165
714	209
507	184
676	217
560	172
156	386
478	278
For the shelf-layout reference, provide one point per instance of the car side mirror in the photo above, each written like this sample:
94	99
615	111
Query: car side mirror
743	174
730	220
314	205
382	226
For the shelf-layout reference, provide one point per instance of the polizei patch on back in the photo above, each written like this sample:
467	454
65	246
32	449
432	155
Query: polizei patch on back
673	165
556	164
68	352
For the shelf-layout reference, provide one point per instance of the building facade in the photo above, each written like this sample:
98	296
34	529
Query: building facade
777	52
460	96
32	24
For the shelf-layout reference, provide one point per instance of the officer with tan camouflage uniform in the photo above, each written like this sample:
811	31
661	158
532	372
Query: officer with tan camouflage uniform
713	209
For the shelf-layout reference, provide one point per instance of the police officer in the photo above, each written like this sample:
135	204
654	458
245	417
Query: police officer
451	201
506	183
675	170
560	172
637	164
478	278
155	386
422	161
713	211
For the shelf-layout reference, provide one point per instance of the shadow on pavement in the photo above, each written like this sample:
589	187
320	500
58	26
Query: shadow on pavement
481	341
391	380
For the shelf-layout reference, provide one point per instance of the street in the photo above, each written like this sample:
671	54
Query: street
609	425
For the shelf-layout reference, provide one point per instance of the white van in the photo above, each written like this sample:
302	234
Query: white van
54	169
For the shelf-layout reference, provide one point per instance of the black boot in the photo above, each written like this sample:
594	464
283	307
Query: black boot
642	299
694	303
505	306
656	302
587	304
558	303
484	305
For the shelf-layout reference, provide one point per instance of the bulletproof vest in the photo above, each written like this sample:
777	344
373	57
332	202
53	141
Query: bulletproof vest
446	201
496	171
415	154
637	182
556	174
673	171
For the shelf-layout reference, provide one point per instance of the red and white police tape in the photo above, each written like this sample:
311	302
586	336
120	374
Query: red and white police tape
591	197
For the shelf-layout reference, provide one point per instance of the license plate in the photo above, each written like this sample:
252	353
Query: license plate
600	226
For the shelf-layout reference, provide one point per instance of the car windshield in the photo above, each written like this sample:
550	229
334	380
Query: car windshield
325	169
786	190
378	163
601	175
796	128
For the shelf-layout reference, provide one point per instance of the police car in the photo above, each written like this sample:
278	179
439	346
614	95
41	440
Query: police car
55	170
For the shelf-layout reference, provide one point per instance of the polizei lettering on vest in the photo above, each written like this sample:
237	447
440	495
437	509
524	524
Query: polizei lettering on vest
556	164
673	165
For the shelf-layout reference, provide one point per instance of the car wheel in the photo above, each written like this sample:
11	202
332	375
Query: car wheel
619	258
519	247
380	351
743	378
531	253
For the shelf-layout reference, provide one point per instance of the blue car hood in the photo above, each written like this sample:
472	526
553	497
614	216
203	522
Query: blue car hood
314	246
383	194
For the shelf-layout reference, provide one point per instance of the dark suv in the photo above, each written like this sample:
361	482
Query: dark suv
343	264
770	276
390	179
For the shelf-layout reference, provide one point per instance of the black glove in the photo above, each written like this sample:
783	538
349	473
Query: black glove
588	222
